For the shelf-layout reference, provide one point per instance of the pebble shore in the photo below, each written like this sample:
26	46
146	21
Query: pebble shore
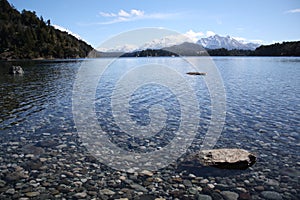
57	166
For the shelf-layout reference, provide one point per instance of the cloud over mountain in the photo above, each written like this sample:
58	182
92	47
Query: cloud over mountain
132	15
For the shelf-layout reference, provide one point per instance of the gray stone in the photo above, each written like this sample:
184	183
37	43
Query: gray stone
138	187
193	190
31	149
32	194
107	192
15	176
47	143
80	195
2	183
228	195
204	181
10	191
146	173
272	182
204	197
271	195
187	183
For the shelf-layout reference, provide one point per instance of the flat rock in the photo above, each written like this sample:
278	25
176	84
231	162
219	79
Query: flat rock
226	158
204	197
271	195
32	194
107	192
146	173
138	187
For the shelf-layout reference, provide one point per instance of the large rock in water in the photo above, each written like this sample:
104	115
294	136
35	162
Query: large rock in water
226	158
16	70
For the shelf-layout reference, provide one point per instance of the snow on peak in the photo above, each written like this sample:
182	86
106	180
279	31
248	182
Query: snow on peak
212	41
228	42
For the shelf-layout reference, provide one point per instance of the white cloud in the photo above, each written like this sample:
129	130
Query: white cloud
194	36
166	41
123	13
294	11
132	15
103	14
137	12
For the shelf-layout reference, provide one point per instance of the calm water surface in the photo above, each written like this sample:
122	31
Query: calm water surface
262	111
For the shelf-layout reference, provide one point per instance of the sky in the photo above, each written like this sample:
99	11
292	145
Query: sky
95	21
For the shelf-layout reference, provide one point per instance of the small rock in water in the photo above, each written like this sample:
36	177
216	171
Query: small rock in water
197	73
16	70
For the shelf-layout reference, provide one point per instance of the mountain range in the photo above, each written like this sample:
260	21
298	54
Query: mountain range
229	43
192	49
211	42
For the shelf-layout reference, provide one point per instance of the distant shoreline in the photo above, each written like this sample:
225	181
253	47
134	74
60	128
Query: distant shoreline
82	59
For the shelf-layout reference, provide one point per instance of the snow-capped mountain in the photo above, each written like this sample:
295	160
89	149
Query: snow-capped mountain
212	42
167	41
160	43
121	48
217	42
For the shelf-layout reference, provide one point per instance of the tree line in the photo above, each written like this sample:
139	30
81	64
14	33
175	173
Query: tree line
277	49
26	36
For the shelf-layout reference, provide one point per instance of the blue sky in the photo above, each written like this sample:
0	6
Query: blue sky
95	21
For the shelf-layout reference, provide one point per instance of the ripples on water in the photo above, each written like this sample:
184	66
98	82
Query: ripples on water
262	104
39	99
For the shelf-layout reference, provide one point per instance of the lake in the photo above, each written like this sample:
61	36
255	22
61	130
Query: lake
43	138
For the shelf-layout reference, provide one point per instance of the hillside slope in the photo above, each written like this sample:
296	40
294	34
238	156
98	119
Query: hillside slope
25	36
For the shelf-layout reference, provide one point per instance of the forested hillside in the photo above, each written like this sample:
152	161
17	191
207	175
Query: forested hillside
26	36
279	49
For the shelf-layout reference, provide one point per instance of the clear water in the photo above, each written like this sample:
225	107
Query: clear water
262	107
